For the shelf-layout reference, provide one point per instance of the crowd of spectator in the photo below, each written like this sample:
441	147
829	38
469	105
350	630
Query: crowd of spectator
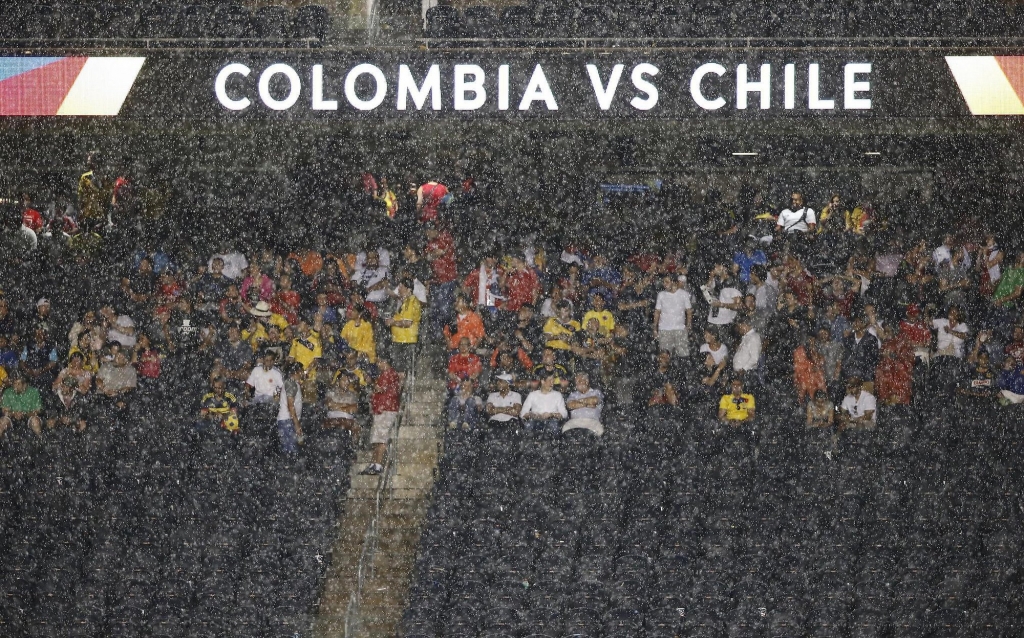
845	315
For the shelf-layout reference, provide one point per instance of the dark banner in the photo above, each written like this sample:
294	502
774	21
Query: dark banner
229	87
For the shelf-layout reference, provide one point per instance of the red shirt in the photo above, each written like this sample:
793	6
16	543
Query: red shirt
915	332
386	391
802	286
1015	350
521	285
286	303
432	196
463	366
148	365
32	219
444	267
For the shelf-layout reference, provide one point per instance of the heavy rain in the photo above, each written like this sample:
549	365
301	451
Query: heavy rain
550	319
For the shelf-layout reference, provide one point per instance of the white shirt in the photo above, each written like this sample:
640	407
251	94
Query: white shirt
282	413
265	382
673	307
725	315
796	220
944	341
369	277
509	400
943	253
717	355
539	402
748	352
857	407
234	264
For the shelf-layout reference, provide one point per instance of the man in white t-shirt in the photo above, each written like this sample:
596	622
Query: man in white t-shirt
504	405
950	334
858	407
586	404
673	317
234	262
544	409
373	275
265	380
748	352
730	299
798	218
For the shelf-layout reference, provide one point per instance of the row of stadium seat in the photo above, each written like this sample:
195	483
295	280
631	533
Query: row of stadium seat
137	528
164	20
710	18
685	529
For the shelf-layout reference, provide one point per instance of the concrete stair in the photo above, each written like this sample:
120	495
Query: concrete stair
403	509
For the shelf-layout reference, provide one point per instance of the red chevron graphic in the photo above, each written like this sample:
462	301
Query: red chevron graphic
40	91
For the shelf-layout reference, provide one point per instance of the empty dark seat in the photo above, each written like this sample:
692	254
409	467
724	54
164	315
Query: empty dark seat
271	22
443	21
311	22
232	21
479	22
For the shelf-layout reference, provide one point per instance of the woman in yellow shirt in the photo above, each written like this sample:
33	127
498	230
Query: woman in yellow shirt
358	333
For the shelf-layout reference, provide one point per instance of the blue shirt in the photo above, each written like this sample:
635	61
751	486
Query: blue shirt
745	262
606	274
1012	380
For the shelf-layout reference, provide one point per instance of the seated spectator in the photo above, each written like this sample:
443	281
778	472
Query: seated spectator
978	387
306	349
235	263
592	349
232	308
860	351
210	288
1015	349
148	363
544	408
598	311
464	407
468	325
585	404
560	330
123	331
549	366
218	409
1010	290
482	284
857	411
117	380
70	407
748	352
503	406
265	380
352	365
21	404
673	317
507	364
602	278
462	365
233	359
358	334
342	403
372	276
289	414
76	371
1011	383
737	406
549	308
385	402
39	359
661	389
821	411
950	334
527	337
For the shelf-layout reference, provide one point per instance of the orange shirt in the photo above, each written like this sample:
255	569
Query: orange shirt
470	326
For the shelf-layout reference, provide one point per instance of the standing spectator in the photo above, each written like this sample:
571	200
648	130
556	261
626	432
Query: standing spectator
21	403
440	254
544	408
521	286
766	295
989	265
39	360
306	349
1015	349
730	300
373	277
602	278
468	325
385	404
504	405
586	404
746	259
950	334
808	369
234	359
738	406
482	284
265	380
716	356
560	330
405	328
860	352
464	407
289	414
147	361
748	352
257	286
428	200
358	334
858	408
673	318
211	287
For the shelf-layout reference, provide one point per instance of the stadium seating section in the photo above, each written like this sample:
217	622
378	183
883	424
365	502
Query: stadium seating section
685	529
719	19
164	20
135	530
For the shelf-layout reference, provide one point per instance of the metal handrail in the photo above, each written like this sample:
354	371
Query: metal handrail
353	616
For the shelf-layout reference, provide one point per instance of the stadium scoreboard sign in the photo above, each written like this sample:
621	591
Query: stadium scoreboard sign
764	83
